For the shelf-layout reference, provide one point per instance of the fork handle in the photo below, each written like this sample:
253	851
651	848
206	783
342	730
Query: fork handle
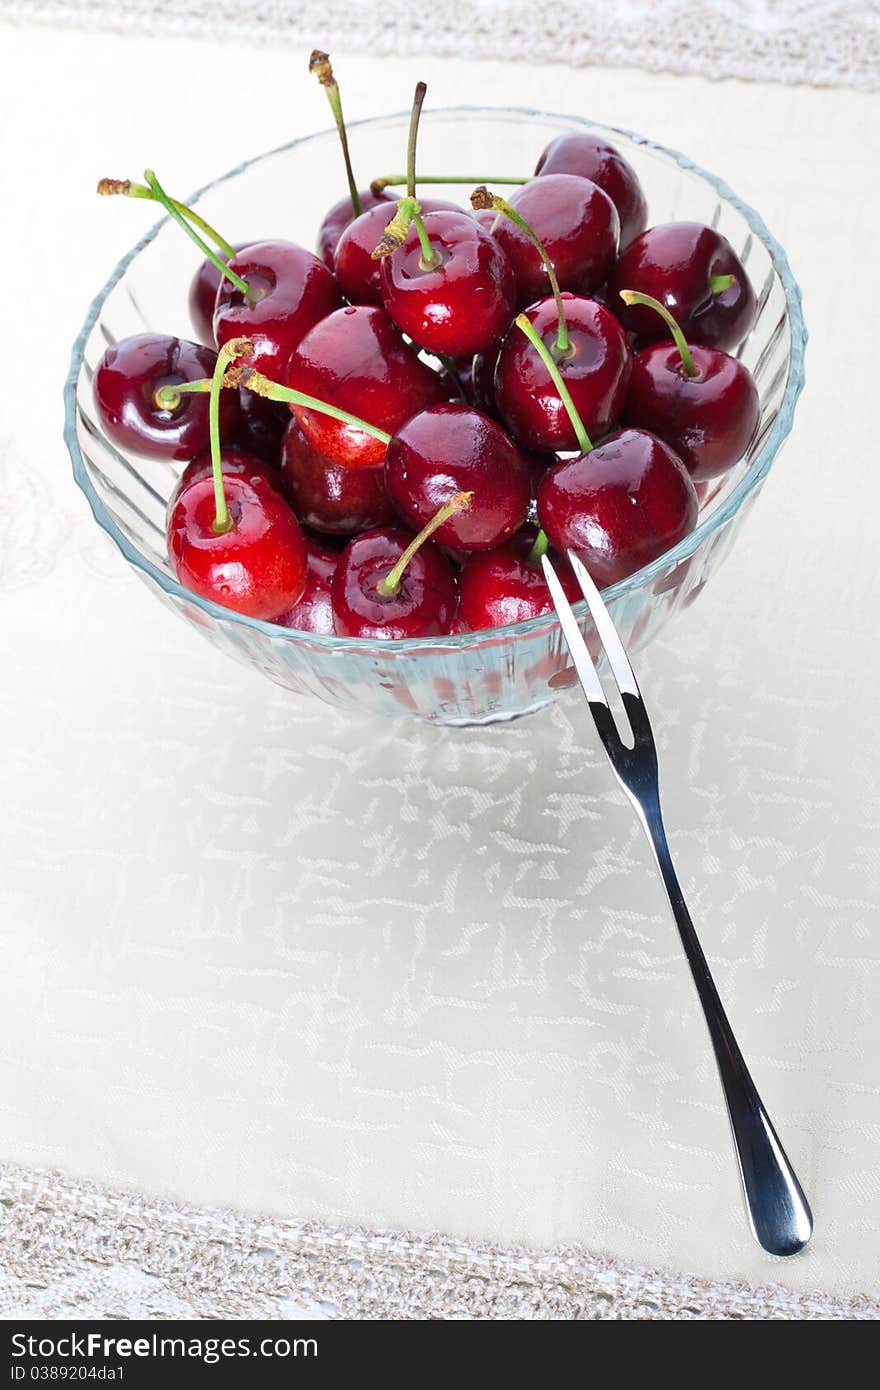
777	1209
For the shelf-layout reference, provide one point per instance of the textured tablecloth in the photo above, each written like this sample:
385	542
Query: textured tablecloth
374	974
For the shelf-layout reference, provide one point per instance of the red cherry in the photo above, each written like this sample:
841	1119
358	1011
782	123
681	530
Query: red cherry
591	157
341	215
619	506
576	223
506	586
258	566
125	384
356	359
290	291
452	448
676	264
203	296
327	496
261	427
314	611
708	420
596	374
424	606
459	306
358	274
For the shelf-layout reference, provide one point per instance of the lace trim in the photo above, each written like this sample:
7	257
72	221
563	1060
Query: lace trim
74	1249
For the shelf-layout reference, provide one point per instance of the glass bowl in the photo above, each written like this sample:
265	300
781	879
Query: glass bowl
463	679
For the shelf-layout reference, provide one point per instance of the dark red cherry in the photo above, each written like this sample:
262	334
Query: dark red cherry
358	274
453	448
576	223
620	506
459	306
339	217
261	427
708	420
290	291
357	360
591	157
425	604
676	263
314	611
327	496
203	296
258	567
596	374
236	463
506	586
125	384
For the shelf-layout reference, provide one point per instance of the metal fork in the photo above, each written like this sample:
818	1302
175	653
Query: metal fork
778	1211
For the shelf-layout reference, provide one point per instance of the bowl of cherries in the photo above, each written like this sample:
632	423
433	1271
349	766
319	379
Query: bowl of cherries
340	442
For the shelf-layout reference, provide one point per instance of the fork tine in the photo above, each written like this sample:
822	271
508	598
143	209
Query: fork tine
608	635
583	662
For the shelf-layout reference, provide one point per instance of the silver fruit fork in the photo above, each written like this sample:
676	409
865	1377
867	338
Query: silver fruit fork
778	1211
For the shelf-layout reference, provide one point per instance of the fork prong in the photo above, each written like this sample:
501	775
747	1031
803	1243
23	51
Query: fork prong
608	635
583	662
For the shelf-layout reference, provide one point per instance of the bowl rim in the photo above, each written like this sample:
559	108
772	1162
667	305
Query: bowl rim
465	640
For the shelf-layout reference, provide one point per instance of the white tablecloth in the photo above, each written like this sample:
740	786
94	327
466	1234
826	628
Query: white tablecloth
261	955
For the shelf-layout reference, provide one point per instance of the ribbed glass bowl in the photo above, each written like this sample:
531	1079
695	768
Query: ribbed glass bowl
464	679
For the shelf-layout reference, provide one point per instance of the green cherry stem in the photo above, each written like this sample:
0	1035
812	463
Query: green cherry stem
390	585
168	204
525	326
429	257
319	64
236	347
127	189
684	352
541	546
393	180
481	198
168	397
719	283
274	391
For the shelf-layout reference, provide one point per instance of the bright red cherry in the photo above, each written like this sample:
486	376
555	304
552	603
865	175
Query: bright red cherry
620	506
591	157
460	302
357	360
709	419
313	612
256	567
341	215
421	604
125	387
290	291
686	266
577	224
203	296
449	449
358	273
596	373
507	585
327	496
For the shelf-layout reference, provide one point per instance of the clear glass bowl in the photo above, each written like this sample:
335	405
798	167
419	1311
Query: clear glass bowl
463	679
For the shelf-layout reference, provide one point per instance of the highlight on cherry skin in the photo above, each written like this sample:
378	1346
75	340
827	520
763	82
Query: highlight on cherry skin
379	439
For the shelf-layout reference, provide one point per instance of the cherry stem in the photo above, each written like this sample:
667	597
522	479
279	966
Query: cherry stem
168	397
719	283
125	187
409	213
481	198
391	180
684	352
319	64
390	585
418	99
541	546
274	391
236	347
168	204
527	327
